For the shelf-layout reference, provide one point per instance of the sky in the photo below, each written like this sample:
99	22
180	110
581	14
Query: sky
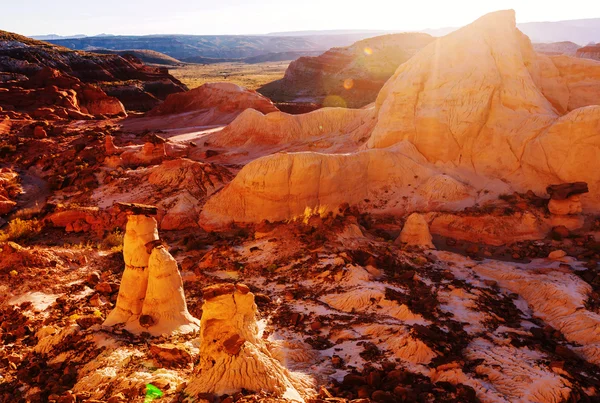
199	17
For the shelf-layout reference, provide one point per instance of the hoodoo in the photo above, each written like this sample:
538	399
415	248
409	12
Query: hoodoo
151	297
233	356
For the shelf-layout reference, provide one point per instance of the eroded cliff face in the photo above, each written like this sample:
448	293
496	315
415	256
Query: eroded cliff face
495	115
22	57
589	52
479	106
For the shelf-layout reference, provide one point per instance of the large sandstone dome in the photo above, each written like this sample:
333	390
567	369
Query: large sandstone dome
478	106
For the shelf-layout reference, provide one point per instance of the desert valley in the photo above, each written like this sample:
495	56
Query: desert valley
379	217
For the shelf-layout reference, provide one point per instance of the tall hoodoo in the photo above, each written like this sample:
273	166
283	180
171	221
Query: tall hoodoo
232	354
151	297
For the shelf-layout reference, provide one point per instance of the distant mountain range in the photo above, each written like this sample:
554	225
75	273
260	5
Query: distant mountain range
194	48
184	47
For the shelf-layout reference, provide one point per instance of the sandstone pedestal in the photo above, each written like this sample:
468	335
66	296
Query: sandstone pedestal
151	297
232	355
571	205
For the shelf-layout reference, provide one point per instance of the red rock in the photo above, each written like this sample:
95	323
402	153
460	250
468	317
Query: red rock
349	75
170	355
104	288
39	132
225	97
560	232
234	344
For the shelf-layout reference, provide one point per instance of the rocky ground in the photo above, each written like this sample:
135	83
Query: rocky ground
322	257
366	317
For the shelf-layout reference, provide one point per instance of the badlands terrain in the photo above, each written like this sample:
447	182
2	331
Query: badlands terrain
438	244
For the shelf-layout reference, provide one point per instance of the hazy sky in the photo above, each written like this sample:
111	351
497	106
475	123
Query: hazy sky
91	17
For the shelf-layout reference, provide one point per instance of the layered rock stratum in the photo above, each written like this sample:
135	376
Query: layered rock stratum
22	57
350	76
441	244
515	116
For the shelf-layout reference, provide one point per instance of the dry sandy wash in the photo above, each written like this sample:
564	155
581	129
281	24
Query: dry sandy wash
441	244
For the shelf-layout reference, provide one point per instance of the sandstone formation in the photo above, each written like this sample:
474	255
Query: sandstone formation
48	94
479	129
225	97
252	128
565	198
232	354
151	297
350	76
211	104
557	48
589	52
416	232
517	117
27	57
285	186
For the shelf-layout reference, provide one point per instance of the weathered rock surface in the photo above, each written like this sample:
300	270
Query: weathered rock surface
225	97
507	119
589	52
49	94
10	188
285	186
27	57
416	232
151	297
557	48
232	355
526	119
350	76
253	128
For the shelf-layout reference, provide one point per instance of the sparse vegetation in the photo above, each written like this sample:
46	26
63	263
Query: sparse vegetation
19	229
113	241
251	76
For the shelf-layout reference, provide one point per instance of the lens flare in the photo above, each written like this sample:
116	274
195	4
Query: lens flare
368	51
348	83
334	101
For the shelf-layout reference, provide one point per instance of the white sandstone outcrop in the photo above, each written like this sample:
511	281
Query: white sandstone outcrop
232	354
151	297
416	232
478	102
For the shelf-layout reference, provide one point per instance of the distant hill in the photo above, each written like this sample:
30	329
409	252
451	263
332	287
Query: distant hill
557	48
200	48
54	36
351	76
328	32
267	57
145	55
581	32
183	47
